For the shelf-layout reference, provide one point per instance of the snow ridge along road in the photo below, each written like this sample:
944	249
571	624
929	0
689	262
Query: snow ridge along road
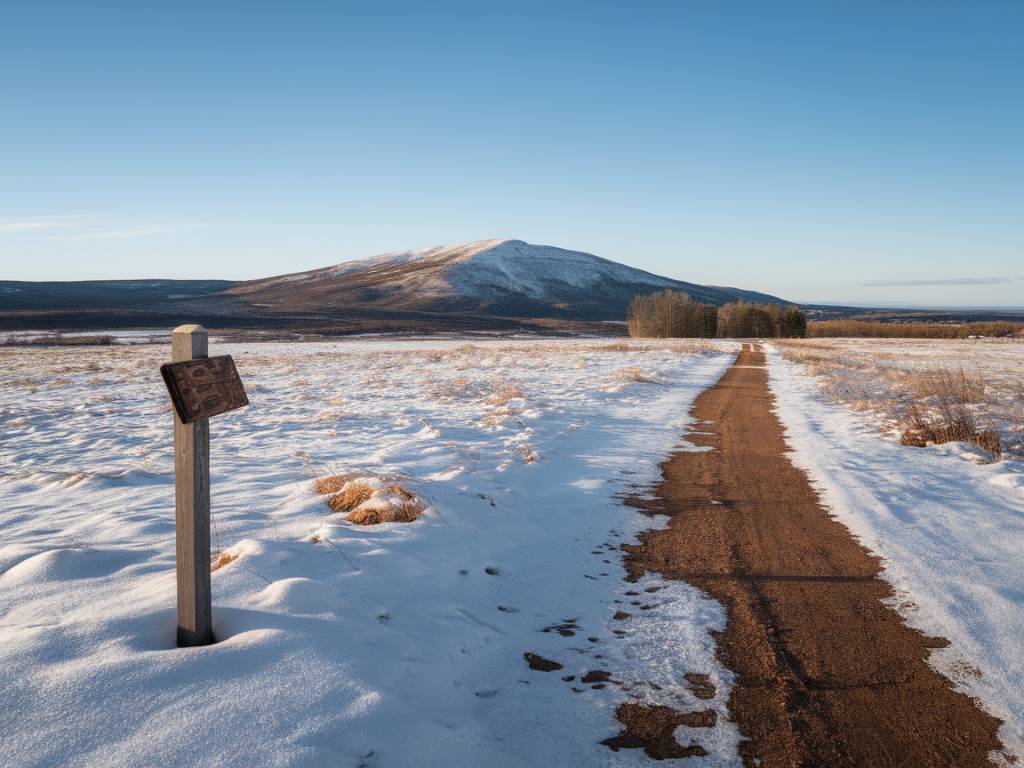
826	674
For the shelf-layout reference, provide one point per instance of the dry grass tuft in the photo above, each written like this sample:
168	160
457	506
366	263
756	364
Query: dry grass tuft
526	453
331	414
351	496
948	422
332	483
368	501
391	504
221	559
955	386
503	393
618	346
637	376
943	415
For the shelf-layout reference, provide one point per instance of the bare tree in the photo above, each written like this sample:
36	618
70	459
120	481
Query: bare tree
670	314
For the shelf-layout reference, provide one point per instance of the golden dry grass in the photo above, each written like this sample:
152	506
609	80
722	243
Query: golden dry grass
945	383
637	376
526	453
617	346
926	405
351	496
332	483
911	330
940	412
221	559
948	422
391	504
505	392
368	502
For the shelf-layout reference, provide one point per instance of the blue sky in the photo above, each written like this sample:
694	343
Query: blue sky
847	152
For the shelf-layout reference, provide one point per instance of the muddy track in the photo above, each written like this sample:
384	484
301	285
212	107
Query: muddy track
826	675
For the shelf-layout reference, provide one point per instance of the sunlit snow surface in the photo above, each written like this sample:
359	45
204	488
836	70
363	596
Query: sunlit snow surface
377	646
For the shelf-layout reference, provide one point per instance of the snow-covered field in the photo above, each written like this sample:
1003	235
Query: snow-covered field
391	645
402	644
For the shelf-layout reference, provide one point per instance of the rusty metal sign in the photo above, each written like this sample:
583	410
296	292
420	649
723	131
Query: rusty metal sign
203	388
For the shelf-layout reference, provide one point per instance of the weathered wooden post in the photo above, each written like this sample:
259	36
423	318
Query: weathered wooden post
200	387
192	505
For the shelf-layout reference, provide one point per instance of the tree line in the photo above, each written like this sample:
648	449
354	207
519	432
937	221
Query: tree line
673	314
913	330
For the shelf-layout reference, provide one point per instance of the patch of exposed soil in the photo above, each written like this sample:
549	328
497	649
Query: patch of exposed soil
700	685
541	664
652	728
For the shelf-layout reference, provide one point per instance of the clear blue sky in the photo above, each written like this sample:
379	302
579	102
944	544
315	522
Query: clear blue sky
839	151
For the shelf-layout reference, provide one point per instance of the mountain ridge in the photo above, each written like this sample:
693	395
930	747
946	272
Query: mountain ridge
503	276
482	284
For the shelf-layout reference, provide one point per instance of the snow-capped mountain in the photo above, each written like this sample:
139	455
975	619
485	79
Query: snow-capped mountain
496	277
485	285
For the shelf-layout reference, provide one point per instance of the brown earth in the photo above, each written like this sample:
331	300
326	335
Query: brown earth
652	728
826	675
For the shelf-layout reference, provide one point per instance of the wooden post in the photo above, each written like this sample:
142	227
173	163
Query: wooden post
192	506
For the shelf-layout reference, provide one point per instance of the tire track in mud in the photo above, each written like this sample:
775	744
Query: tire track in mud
826	674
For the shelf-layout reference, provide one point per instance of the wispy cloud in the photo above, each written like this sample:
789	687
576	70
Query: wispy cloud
933	282
27	224
76	227
122	232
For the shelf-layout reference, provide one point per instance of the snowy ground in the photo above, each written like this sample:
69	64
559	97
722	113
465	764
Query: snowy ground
393	645
402	645
950	531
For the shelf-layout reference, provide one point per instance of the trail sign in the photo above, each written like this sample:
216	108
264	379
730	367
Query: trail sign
200	387
204	387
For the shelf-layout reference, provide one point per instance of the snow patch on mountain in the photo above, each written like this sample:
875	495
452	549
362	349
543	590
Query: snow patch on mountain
489	268
506	278
535	270
442	254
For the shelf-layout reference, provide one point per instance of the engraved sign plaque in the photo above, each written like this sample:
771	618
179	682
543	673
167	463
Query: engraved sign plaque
204	387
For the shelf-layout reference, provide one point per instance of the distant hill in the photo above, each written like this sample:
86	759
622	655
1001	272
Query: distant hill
82	294
488	284
493	277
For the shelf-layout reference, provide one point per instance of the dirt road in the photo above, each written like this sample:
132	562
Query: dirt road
826	674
